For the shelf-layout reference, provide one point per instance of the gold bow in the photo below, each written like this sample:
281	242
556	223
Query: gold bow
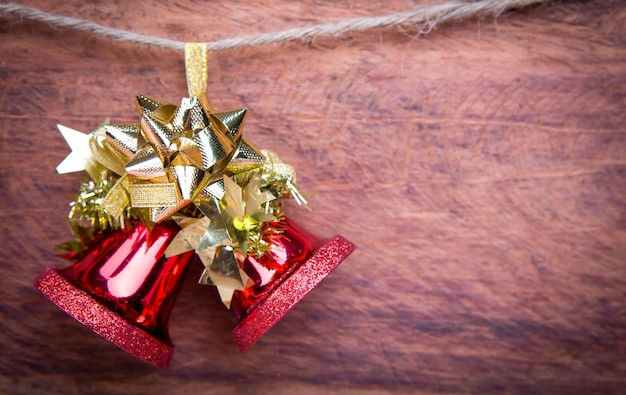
173	157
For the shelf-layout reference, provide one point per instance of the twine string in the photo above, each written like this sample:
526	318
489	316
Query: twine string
423	19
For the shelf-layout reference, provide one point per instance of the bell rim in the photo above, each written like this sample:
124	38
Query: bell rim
291	291
101	320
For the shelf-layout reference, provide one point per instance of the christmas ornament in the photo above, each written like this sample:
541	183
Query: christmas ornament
182	183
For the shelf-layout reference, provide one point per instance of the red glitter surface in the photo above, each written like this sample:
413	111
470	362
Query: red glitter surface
103	321
291	290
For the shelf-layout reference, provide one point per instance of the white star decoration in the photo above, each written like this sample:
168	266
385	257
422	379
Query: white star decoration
79	144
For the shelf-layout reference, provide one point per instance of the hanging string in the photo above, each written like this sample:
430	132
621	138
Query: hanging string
423	19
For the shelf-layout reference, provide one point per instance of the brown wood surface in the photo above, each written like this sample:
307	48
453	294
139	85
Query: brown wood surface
481	171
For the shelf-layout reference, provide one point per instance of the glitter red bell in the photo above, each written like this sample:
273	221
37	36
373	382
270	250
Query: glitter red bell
124	289
295	264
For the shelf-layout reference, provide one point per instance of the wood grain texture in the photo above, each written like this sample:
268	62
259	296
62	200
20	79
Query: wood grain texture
481	171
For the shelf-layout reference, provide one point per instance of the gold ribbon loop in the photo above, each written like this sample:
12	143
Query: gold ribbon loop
196	55
117	199
104	153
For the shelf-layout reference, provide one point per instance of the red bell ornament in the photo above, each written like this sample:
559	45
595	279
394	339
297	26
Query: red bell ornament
124	289
295	263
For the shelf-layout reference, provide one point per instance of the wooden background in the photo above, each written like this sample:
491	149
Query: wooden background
481	171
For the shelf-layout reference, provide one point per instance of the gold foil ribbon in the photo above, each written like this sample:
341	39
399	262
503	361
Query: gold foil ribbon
196	61
154	195
106	155
116	201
